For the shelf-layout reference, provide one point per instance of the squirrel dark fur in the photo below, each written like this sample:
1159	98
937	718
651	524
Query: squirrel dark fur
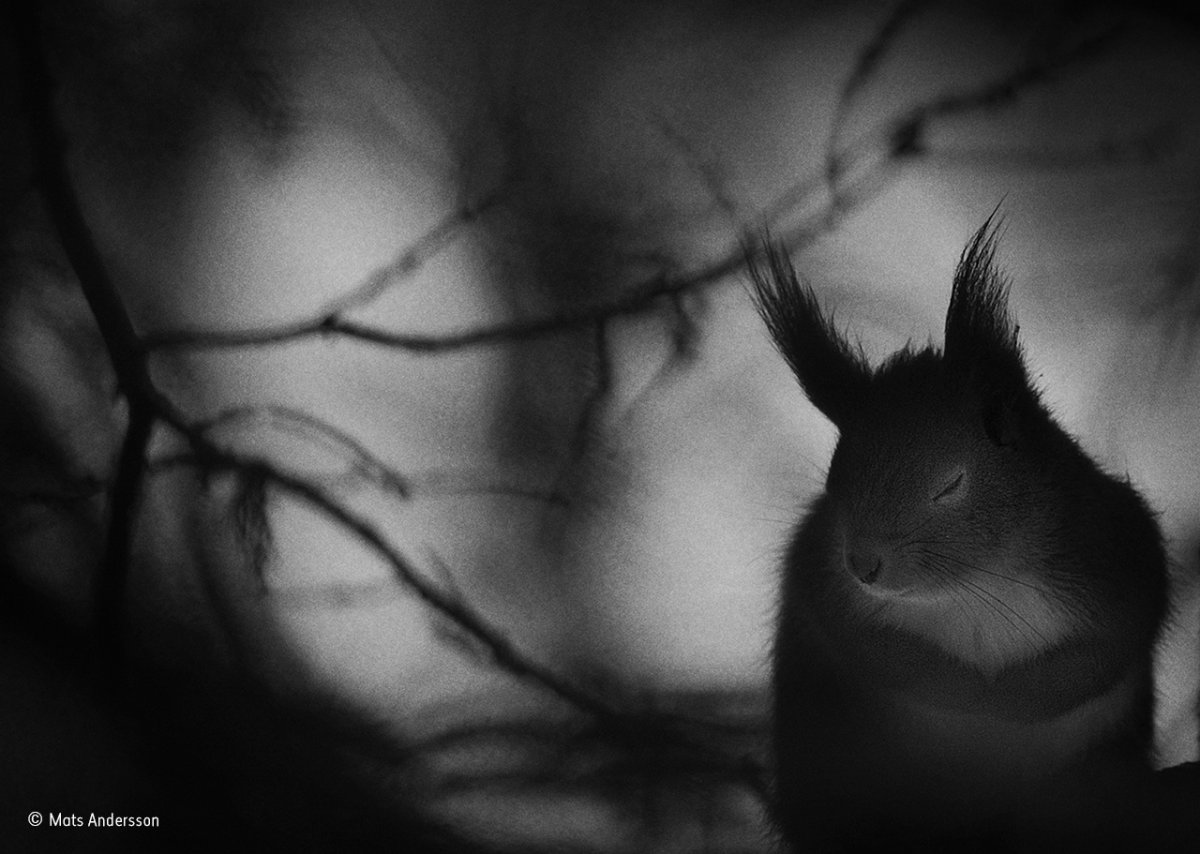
969	610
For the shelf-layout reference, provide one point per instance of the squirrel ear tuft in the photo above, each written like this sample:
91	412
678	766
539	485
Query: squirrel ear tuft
832	372
980	334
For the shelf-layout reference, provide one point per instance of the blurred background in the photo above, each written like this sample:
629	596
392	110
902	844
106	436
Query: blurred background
470	463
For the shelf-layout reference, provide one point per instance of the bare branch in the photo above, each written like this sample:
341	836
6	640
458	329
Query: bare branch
360	463
330	319
682	731
904	135
635	301
864	161
49	147
867	64
708	171
414	257
1149	147
500	649
1038	71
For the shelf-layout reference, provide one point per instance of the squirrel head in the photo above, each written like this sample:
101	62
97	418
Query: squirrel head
943	466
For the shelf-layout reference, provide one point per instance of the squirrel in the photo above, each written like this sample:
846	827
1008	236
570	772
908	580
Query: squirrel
969	610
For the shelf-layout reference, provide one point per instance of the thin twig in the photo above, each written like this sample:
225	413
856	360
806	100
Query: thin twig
1149	147
499	648
1035	72
361	463
706	170
904	135
868	62
413	258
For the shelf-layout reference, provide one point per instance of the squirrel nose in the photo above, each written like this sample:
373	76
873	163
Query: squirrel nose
867	561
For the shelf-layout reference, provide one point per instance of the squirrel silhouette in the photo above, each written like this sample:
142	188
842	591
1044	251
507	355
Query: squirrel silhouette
968	611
